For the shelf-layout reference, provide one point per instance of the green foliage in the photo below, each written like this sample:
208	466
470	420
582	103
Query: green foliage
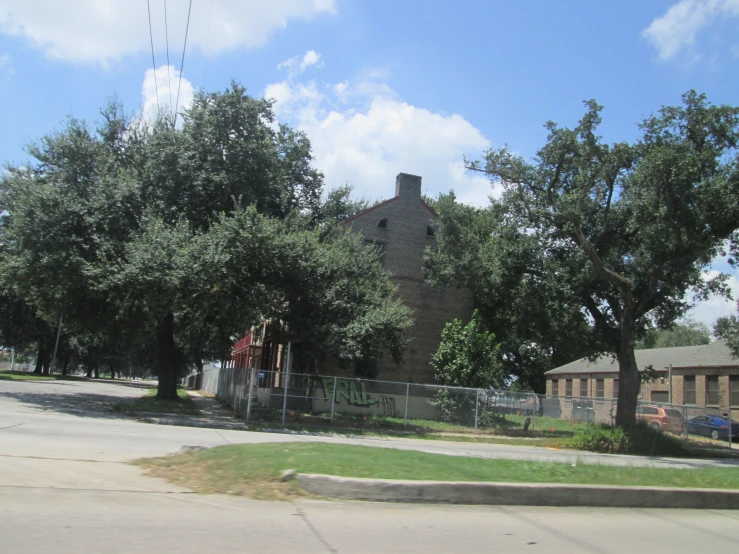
727	328
159	245
684	333
516	285
468	356
626	230
639	438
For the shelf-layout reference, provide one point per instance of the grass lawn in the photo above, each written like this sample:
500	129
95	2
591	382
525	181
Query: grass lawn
23	376
254	469
509	425
150	403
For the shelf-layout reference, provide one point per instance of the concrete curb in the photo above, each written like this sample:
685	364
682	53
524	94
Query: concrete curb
517	494
190	423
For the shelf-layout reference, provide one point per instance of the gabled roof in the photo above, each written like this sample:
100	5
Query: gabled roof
716	354
658	358
385	203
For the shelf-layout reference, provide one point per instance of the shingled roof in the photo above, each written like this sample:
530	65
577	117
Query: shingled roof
658	358
716	354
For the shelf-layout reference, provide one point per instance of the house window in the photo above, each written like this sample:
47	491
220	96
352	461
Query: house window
584	387
555	387
660	396
689	390
568	387
430	231
382	224
712	390
600	388
615	388
734	389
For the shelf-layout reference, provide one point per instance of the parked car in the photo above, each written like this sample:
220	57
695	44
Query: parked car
657	417
712	426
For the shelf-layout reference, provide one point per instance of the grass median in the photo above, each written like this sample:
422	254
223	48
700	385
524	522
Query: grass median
150	403
254	469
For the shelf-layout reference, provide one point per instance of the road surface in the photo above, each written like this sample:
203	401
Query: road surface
64	487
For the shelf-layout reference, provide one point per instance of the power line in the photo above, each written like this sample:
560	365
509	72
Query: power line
166	39
207	47
182	65
153	63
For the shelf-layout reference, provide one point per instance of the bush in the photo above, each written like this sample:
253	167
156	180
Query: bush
636	439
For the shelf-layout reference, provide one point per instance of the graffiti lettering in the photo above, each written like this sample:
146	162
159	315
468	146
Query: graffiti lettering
354	392
388	405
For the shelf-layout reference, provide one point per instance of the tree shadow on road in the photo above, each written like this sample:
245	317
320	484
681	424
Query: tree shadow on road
83	404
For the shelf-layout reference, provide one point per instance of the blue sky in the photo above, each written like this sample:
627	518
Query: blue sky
379	86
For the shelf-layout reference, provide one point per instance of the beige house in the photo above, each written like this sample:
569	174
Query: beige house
703	376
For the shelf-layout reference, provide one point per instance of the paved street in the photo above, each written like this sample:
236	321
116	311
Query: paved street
64	487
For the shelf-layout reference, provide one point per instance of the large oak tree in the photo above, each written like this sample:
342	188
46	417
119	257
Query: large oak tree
631	226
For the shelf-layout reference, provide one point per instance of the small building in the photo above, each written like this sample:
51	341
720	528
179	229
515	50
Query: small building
702	376
402	228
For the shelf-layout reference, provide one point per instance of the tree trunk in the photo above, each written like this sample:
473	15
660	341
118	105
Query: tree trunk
39	359
629	380
166	359
89	371
46	368
65	366
96	370
112	370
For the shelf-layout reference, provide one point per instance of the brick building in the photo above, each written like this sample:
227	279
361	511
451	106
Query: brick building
703	376
402	227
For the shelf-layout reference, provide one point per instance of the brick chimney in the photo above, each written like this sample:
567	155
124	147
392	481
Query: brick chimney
408	186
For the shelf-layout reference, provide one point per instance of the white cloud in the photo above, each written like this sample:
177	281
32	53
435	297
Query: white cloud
102	31
677	29
159	91
707	311
298	64
364	134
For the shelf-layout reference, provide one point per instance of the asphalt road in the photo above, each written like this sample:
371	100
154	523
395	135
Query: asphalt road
64	488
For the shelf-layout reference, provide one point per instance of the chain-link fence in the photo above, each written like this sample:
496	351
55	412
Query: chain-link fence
331	400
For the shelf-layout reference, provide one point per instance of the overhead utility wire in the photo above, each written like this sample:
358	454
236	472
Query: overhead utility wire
166	39
153	63
182	65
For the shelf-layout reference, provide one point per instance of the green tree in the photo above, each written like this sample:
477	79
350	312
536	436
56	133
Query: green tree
631	225
684	333
468	356
727	328
516	286
138	235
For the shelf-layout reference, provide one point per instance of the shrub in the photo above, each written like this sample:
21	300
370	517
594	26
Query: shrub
636	439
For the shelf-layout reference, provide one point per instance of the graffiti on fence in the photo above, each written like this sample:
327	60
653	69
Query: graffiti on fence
355	393
388	405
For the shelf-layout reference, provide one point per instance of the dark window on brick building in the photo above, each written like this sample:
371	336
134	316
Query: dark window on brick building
430	231
600	388
689	389
734	389
382	224
660	396
568	387
584	387
555	387
712	395
615	388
